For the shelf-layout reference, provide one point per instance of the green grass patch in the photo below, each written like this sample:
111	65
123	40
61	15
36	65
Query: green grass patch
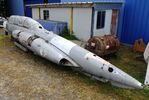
126	60
69	36
66	34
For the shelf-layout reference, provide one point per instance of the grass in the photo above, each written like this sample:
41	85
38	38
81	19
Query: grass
125	59
66	34
3	39
69	36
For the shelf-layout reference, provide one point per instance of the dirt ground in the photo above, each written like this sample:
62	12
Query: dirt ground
24	76
1	31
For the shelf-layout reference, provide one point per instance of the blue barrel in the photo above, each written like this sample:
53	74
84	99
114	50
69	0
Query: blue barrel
55	26
15	7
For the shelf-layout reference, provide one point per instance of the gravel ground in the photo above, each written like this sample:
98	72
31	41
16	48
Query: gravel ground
24	76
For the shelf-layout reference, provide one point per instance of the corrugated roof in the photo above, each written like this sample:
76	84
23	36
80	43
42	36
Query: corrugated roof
103	1
62	5
67	4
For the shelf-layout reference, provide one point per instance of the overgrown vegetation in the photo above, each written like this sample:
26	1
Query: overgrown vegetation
66	34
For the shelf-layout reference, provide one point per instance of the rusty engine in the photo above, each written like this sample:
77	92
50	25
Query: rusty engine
103	45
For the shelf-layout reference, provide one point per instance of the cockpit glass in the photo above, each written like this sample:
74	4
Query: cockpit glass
40	27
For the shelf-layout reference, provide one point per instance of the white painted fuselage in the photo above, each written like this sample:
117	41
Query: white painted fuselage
31	35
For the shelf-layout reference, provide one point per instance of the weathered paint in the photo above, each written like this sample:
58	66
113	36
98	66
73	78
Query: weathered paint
135	23
66	53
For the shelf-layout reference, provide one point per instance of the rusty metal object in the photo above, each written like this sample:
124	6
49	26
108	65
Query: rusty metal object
103	45
139	46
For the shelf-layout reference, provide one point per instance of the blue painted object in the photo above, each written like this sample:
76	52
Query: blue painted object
55	26
136	21
15	7
54	1
28	11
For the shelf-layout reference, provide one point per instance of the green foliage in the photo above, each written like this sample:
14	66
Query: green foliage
66	34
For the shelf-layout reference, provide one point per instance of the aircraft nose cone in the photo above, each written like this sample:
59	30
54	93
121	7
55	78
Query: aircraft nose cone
139	85
132	82
122	79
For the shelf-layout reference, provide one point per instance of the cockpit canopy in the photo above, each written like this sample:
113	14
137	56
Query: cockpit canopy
25	22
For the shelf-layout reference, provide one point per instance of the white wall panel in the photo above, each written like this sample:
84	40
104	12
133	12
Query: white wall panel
82	22
35	13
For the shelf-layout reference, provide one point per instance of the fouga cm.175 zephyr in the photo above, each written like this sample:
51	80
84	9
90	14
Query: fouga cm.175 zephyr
28	34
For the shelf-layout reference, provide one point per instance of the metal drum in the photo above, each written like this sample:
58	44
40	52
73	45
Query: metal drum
103	45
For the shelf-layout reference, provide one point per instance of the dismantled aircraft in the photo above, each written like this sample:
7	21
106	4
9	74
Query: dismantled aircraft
30	35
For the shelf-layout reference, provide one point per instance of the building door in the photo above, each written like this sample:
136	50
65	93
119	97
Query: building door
102	22
114	21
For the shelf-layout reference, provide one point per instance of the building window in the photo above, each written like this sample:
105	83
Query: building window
100	19
46	14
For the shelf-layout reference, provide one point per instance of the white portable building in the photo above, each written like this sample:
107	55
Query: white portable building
85	19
